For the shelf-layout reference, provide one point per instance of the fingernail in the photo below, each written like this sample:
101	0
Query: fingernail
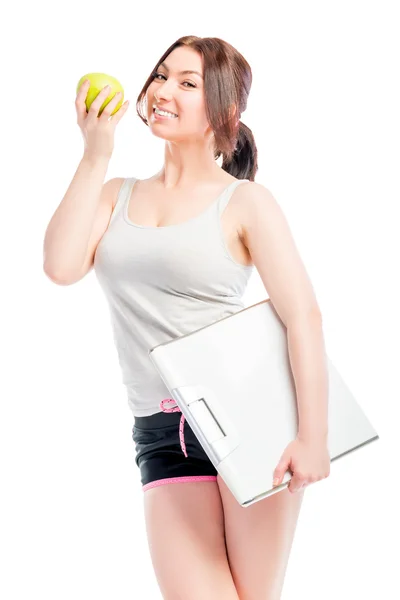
275	482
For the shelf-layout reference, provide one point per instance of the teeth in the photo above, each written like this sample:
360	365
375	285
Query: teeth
165	114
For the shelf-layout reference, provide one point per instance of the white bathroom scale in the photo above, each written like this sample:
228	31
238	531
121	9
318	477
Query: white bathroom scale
233	382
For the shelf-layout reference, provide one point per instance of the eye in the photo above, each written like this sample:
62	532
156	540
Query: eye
155	75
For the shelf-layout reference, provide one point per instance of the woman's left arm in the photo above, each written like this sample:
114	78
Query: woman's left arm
265	232
307	355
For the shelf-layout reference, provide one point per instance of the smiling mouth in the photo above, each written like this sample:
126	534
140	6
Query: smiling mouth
166	117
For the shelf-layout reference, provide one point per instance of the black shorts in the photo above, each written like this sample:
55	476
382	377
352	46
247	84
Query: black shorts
159	453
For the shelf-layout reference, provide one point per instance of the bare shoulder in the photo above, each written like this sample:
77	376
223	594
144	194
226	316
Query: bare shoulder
255	192
113	187
252	199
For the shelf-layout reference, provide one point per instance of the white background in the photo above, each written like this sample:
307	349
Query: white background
324	109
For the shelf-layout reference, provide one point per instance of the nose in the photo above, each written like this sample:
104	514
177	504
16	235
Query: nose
163	91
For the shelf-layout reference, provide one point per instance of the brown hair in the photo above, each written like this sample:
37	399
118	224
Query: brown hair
227	82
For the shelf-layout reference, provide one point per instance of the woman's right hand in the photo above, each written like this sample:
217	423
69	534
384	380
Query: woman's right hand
98	131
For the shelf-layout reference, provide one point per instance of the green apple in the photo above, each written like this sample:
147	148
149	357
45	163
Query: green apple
97	82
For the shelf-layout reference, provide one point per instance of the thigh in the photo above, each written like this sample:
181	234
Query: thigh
259	539
185	530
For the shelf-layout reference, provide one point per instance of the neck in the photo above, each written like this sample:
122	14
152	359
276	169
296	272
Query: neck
187	164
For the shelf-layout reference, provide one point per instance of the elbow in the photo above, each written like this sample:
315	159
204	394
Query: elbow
57	278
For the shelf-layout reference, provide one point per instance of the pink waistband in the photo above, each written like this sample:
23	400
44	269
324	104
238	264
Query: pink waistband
181	423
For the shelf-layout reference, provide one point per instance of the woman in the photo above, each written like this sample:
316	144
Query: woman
174	253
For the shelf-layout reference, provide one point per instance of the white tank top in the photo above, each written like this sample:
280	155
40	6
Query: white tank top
161	283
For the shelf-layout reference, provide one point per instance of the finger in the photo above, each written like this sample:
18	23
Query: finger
120	112
110	106
302	487
98	101
80	103
293	489
295	484
280	470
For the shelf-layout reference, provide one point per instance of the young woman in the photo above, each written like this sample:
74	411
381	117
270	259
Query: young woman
174	253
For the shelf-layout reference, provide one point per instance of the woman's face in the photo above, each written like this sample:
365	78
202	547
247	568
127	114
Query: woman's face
181	94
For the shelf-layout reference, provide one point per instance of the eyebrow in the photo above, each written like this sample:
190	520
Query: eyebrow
187	72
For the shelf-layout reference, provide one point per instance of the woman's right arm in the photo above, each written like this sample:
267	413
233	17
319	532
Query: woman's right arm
83	215
79	222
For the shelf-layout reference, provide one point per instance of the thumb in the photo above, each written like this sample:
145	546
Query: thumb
281	469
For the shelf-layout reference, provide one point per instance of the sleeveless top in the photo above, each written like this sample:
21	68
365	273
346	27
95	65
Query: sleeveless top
161	283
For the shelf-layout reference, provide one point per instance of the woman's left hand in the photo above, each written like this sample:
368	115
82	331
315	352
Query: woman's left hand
307	458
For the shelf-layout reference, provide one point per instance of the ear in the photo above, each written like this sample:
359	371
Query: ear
233	113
